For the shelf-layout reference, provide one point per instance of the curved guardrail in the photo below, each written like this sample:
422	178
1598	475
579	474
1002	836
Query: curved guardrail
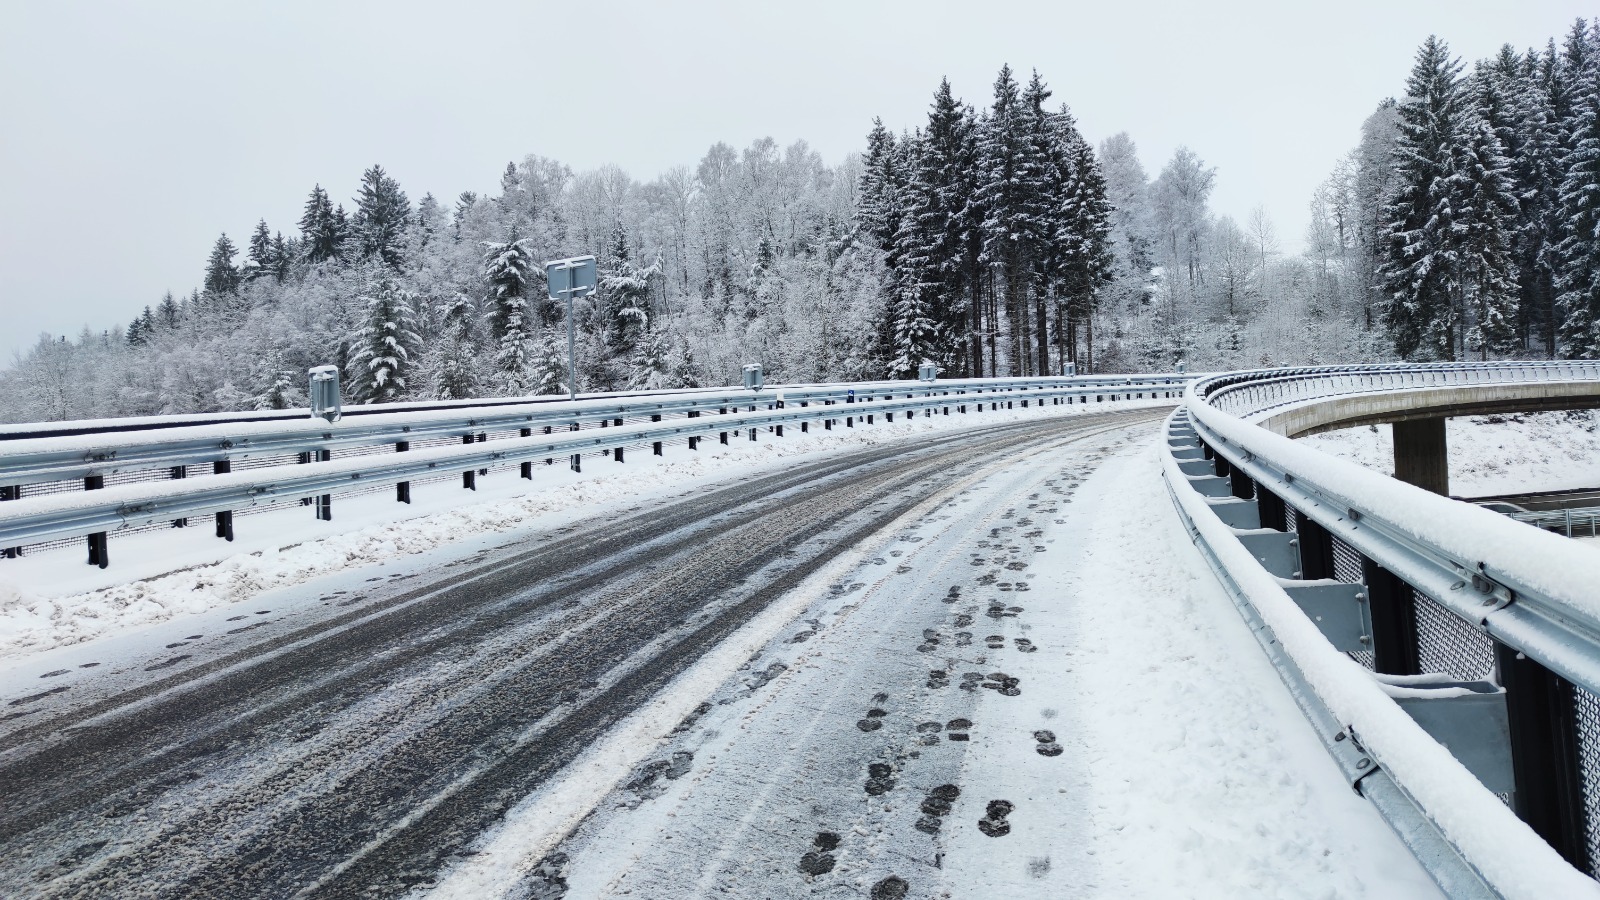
312	474
1432	624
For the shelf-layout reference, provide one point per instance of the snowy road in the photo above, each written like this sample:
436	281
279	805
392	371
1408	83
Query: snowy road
360	750
1034	688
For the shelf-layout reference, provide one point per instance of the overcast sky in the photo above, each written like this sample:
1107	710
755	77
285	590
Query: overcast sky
132	133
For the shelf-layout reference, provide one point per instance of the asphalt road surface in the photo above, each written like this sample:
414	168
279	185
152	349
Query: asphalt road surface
358	753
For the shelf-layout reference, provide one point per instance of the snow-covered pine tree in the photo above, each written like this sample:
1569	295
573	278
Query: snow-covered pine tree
222	276
168	312
384	347
340	228
450	365
508	268
624	298
933	242
1484	207
1011	174
282	258
914	283
1419	248
1537	173
282	392
1089	264
464	204
319	235
260	260
1578	255
878	202
382	213
548	374
139	330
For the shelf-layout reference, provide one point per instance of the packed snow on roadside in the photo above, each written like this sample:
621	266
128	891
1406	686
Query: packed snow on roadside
1490	455
52	599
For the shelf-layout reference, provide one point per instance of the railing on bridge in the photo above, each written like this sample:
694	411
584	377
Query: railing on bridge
1485	631
71	481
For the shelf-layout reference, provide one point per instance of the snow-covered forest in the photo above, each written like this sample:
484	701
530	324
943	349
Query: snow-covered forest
990	238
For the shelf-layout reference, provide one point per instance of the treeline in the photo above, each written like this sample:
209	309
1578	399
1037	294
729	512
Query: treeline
1474	201
996	233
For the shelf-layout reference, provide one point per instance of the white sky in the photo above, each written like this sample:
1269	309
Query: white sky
131	134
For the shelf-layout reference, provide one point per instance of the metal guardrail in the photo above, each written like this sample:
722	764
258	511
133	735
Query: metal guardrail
1491	628
164	442
104	510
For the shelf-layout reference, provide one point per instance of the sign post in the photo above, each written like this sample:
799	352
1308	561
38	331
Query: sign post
570	278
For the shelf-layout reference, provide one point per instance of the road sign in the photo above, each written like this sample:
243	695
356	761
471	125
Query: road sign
569	278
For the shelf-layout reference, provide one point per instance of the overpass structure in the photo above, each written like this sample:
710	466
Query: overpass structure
1448	656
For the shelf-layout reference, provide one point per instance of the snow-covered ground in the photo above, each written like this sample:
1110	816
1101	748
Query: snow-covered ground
1136	742
54	599
1489	455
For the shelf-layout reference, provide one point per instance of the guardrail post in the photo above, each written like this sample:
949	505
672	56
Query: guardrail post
1243	486
324	502
402	489
1393	607
1316	548
780	431
469	478
1221	466
10	492
1206	451
1271	509
304	458
1544	753
98	555
752	434
694	442
175	474
225	517
723	437
656	448
616	454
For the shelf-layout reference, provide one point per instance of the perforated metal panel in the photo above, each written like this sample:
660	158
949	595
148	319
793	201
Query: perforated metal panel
1586	710
1448	644
1347	568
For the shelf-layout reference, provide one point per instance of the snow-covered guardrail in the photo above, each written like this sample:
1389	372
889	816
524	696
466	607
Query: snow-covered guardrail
459	441
1445	653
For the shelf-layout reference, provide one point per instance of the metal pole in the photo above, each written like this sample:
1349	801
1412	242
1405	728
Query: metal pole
572	344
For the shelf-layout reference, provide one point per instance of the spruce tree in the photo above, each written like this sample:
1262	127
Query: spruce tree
382	212
878	202
548	373
222	276
453	369
1010	174
319	236
1085	239
1418	246
168	312
1484	212
281	258
260	256
388	338
508	268
933	240
1578	254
